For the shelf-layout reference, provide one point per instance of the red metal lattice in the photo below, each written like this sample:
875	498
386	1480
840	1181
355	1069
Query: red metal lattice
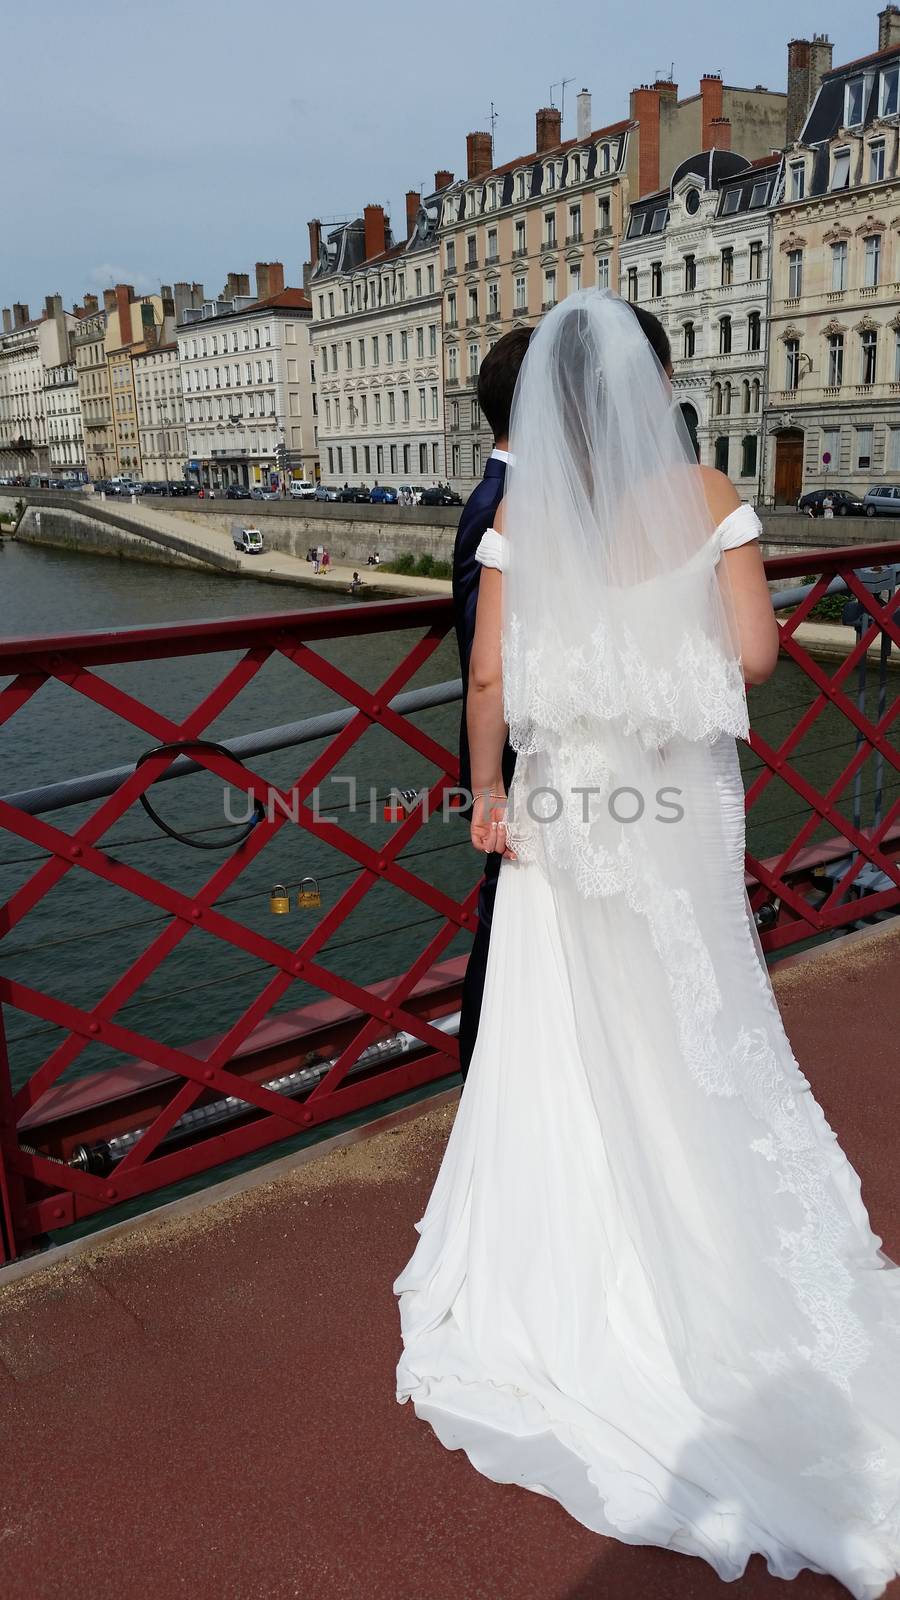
37	1193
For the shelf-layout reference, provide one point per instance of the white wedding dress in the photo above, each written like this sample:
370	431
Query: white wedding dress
646	1289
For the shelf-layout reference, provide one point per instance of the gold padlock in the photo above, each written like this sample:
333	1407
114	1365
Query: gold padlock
309	896
279	900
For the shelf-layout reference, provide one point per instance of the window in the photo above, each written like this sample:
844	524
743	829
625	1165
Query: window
404	395
423	405
727	266
745	398
690	272
887	100
732	202
434	403
756	391
658	219
348	354
471	250
839	266
637	224
521	294
869	356
894	449
871	260
376	350
418	282
472	314
549	230
655	280
392	406
689	340
574	277
474	416
840	172
520	185
853	103
835	360
432	339
754	330
632	284
520	237
430	279
722	454
603	223
748	456
724	336
603	272
831	446
795	274
755	260
863	448
492	251
452	364
378	408
451	309
493	299
876	161
420	344
451	256
362	352
474	359
759	196
550	175
550	287
389	344
575	168
575	224
791	363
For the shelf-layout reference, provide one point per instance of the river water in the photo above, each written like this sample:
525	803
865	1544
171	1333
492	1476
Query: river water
84	933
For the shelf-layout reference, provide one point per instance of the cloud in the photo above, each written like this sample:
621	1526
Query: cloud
108	274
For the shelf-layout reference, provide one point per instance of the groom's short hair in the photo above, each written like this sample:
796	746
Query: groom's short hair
497	379
655	334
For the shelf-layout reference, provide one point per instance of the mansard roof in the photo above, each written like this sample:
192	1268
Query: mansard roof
826	115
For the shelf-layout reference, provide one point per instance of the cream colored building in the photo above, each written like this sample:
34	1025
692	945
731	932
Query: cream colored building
249	386
65	433
376	336
517	238
92	372
834	361
160	413
28	348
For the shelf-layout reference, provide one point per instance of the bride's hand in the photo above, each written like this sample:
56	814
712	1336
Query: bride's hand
488	826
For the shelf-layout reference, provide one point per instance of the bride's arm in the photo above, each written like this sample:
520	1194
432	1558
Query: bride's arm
747	584
485	721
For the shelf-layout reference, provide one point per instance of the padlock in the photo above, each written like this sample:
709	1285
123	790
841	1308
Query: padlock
308	897
279	900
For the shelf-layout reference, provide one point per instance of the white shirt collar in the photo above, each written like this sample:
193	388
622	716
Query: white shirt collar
502	455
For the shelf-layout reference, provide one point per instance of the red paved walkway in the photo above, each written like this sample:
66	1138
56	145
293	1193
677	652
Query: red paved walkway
204	1407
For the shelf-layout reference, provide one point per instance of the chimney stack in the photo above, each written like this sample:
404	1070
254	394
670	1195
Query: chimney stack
231	286
262	280
91	305
376	231
711	100
442	179
276	278
124	293
548	129
808	61
315	241
720	133
109	300
582	114
20	314
7	320
479	154
644	110
412	211
888	27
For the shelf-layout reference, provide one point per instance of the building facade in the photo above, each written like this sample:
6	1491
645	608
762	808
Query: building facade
376	340
92	373
28	348
65	433
160	412
697	255
833	413
249	386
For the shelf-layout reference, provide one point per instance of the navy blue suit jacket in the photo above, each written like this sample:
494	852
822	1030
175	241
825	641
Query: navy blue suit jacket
478	516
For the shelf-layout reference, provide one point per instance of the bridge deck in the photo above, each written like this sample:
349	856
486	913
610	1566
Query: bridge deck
203	1405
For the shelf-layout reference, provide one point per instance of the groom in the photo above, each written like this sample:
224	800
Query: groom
496	384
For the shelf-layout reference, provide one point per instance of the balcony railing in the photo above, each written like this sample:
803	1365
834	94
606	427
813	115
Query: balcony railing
575	238
354	1040
520	253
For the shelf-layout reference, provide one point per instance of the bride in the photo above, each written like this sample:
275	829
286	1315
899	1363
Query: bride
645	1284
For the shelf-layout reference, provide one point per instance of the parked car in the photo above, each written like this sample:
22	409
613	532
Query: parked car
264	494
302	489
181	488
354	494
249	540
882	500
325	491
844	504
440	494
237	491
381	495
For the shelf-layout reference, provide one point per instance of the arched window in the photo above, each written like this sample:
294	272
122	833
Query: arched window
690	340
745	397
724	336
717	399
754	330
727	397
756	394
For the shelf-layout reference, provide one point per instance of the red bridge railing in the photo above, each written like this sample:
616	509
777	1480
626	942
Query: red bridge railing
44	1189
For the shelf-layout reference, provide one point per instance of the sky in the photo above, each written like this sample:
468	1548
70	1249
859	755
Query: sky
148	144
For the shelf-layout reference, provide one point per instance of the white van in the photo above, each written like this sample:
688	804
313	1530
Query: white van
302	489
250	540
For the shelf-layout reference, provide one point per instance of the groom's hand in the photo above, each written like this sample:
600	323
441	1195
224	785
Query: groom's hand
488	825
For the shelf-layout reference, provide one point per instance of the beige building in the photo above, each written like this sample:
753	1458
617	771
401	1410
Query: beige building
249	384
65	434
517	238
376	335
833	414
92	373
135	323
160	413
28	349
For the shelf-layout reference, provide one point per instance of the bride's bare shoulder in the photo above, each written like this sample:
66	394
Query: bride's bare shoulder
721	496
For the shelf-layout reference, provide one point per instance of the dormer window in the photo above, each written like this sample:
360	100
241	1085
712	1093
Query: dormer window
759	196
550	175
575	169
888	92
606	158
840	172
876	161
853	102
658	220
732	201
520	186
797	184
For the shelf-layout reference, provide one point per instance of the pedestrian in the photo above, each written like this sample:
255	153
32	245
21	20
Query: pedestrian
320	551
828	506
326	562
355	584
